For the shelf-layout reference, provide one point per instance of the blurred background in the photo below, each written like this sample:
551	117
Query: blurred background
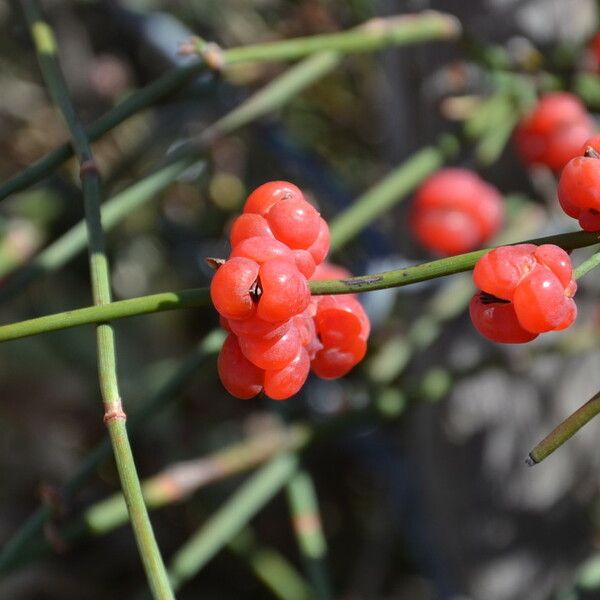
417	456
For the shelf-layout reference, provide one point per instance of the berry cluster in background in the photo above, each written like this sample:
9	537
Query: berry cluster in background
277	331
455	211
553	132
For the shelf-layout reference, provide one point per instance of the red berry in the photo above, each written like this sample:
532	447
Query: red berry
539	301
589	219
497	321
274	353
320	247
248	226
285	291
284	383
331	363
455	211
305	262
340	320
294	222
266	195
530	284
239	376
256	327
261	249
230	288
553	131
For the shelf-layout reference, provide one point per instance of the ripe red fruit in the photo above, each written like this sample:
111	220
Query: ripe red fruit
578	191
248	226
230	288
499	271
285	291
455	211
553	131
256	327
334	362
239	376
294	222
540	302
265	196
525	288
283	383
341	319
261	249
320	247
305	262
497	321
274	353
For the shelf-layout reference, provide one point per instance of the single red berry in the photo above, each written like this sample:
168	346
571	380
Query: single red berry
540	302
340	320
320	247
265	196
557	260
261	249
499	271
497	320
247	226
274	353
239	376
305	262
284	383
257	328
455	211
230	288
553	131
294	222
589	219
284	291
333	362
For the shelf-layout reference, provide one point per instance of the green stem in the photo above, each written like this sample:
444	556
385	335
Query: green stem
591	263
114	416
270	567
229	520
372	35
567	429
273	96
209	346
385	194
407	29
306	520
196	297
66	247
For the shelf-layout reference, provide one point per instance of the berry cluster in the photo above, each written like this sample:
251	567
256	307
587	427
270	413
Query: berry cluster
579	186
276	330
455	211
553	132
525	290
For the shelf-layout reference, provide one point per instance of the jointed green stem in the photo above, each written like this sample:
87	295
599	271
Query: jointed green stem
199	296
114	416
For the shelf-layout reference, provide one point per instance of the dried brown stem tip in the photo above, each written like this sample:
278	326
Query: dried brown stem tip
591	152
214	263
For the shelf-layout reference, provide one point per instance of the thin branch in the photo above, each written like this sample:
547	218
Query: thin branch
306	521
231	517
193	298
591	263
407	29
114	416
